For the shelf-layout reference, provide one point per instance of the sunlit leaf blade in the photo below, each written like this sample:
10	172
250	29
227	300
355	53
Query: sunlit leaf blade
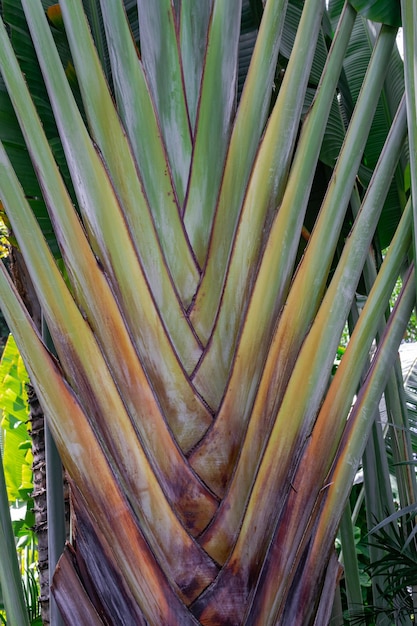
161	58
14	414
209	148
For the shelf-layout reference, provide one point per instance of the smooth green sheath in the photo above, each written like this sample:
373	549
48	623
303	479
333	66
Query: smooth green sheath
87	465
266	187
10	578
409	18
330	319
92	9
350	565
136	109
194	22
401	437
248	126
109	234
279	456
278	258
88	371
394	392
354	440
189	418
303	406
212	133
324	441
162	63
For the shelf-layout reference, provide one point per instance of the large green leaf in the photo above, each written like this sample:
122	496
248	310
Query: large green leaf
355	66
16	448
383	11
10	133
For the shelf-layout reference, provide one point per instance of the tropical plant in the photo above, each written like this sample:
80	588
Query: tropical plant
198	265
16	442
16	517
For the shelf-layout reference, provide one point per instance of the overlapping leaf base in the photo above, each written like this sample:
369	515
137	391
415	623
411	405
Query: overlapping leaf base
210	455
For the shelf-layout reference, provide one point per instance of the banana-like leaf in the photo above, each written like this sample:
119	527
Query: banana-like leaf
16	452
379	10
355	65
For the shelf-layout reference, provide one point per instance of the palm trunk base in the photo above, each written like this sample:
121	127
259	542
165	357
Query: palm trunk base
39	497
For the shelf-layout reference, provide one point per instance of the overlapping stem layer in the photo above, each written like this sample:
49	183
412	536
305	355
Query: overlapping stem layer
195	329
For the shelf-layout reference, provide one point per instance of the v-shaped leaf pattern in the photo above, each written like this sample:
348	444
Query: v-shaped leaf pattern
181	326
